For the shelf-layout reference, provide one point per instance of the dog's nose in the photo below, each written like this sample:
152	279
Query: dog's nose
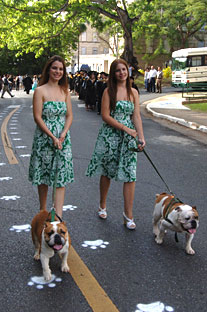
58	239
193	224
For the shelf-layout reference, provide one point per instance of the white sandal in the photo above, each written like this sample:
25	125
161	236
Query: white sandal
129	223
102	213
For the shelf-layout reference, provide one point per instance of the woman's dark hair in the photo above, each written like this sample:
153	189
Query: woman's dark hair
112	83
63	82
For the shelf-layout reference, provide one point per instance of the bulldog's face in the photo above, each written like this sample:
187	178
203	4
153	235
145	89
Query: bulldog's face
55	234
188	218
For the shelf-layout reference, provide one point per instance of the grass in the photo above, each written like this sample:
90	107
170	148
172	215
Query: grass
199	107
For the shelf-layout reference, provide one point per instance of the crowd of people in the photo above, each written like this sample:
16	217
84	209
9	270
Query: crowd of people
89	86
153	79
10	82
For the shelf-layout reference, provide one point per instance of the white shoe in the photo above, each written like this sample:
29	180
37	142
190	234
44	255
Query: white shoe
129	223
102	213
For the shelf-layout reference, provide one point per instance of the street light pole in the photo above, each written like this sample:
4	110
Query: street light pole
78	53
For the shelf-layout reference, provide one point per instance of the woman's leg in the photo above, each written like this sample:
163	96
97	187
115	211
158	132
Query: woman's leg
59	200
104	187
128	192
42	191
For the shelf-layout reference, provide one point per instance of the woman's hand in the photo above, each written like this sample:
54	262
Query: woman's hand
57	143
62	137
131	132
141	144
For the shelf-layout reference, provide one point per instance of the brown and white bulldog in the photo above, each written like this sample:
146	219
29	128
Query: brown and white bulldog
171	214
48	238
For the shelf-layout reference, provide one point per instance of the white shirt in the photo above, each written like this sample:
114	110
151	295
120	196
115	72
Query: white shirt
153	73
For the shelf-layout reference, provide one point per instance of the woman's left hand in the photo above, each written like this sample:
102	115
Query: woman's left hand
62	137
141	144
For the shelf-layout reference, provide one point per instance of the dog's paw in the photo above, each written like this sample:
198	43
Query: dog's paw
158	240
65	268
47	275
37	256
190	251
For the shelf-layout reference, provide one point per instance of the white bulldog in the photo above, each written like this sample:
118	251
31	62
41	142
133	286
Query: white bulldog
171	214
48	238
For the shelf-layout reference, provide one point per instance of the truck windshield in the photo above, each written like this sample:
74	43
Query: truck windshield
179	63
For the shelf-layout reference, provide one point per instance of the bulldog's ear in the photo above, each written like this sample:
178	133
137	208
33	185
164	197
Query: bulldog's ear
46	224
194	207
178	209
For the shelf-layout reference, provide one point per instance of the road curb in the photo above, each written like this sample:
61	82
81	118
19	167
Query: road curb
180	121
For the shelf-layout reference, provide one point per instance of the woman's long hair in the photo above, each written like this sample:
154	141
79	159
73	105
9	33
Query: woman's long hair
112	83
63	82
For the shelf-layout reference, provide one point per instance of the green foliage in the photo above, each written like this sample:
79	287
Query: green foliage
47	27
24	64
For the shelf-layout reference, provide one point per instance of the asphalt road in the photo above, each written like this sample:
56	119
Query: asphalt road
128	265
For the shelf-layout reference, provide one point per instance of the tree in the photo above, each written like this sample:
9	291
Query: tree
23	64
35	24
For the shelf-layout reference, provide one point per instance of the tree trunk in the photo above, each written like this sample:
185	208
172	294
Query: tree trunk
128	53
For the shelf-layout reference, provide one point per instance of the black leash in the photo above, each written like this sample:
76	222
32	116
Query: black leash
136	149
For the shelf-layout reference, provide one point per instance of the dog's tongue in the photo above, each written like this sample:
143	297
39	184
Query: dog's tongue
57	247
192	231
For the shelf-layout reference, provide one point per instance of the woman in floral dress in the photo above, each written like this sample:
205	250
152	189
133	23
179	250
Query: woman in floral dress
51	159
112	158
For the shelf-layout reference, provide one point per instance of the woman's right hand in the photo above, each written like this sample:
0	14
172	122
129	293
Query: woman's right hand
57	143
131	132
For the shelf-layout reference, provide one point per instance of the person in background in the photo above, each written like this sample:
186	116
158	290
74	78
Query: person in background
17	82
146	79
6	86
112	158
27	82
133	85
152	78
100	87
90	98
35	82
159	80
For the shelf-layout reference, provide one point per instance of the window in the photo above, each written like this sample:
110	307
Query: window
83	36
95	37
196	60
95	51
106	50
83	50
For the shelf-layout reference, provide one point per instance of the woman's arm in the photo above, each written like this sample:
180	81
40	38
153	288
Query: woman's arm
68	119
105	112
38	100
137	119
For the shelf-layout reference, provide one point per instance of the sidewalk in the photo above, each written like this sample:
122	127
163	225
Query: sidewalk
170	107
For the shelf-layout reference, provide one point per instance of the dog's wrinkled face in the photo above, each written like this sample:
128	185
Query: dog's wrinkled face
55	234
188	218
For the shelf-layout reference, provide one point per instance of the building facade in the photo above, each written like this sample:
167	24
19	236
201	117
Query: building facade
94	51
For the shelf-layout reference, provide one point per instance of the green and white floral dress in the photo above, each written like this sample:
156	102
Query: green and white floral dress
111	156
46	161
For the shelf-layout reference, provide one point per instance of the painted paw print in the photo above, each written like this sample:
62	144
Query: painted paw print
95	244
13	197
154	307
5	178
39	281
69	207
25	155
20	228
